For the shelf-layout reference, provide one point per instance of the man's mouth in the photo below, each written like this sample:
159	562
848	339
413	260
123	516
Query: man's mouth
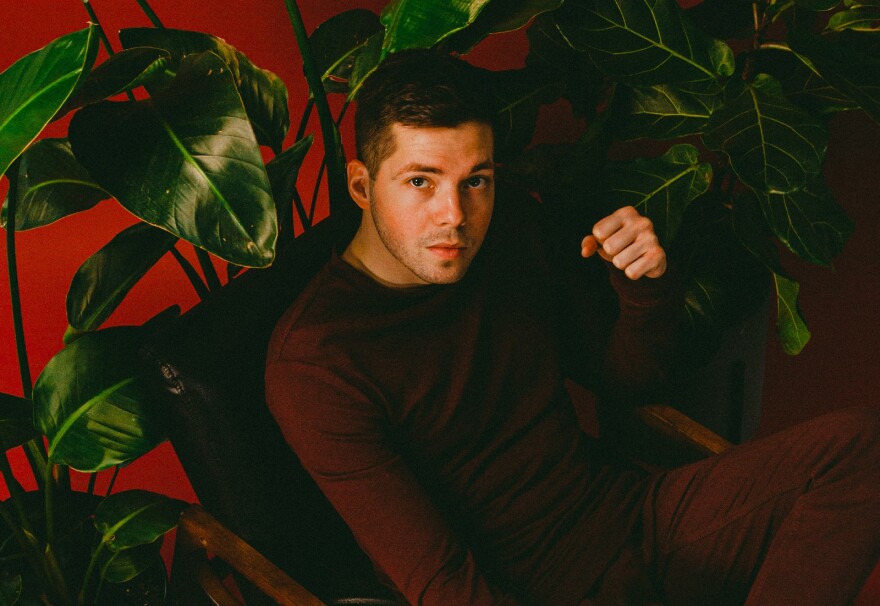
447	251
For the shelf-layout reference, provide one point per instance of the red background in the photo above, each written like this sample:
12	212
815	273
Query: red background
838	368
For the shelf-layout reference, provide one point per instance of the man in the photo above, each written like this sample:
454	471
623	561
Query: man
420	380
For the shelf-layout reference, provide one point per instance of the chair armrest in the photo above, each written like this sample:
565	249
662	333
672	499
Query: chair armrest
198	535
681	429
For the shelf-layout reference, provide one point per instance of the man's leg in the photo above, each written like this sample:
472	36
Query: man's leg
793	518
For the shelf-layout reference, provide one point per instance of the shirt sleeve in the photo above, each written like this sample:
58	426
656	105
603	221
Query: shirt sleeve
342	437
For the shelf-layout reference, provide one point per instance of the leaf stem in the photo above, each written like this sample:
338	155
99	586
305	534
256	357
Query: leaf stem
191	273
105	41
211	277
304	121
332	144
775	45
151	15
112	483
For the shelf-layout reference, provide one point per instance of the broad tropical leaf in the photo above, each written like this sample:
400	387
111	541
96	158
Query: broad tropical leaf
283	171
52	184
854	74
660	188
862	18
646	43
808	222
520	94
422	24
499	17
103	281
661	112
123	566
36	86
263	93
751	228
723	19
10	589
365	63
124	71
186	161
90	405
773	145
791	328
131	525
336	43
16	421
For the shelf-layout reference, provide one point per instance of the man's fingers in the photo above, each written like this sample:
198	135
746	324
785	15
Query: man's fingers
589	246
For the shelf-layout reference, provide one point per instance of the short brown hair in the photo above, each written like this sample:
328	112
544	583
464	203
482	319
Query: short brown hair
418	87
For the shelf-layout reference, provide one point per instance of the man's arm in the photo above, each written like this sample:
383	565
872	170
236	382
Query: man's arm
342	439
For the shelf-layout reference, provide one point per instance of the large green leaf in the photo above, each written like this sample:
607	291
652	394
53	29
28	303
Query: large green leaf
548	50
498	17
10	589
646	43
186	161
791	328
855	74
103	281
801	84
336	43
36	86
424	23
661	112
121	72
16	421
135	517
773	145
808	222
90	405
860	18
123	566
660	188
52	184
263	93
751	228
520	94
283	172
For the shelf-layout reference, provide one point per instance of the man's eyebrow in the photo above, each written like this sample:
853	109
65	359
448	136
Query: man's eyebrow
415	167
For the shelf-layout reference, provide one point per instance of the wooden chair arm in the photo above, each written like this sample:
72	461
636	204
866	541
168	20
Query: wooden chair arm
681	429
198	535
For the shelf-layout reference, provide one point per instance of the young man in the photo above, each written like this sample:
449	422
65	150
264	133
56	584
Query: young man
420	380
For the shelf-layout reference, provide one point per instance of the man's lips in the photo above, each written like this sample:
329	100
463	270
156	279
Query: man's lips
447	251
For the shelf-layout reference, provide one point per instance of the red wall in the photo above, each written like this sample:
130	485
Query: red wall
839	367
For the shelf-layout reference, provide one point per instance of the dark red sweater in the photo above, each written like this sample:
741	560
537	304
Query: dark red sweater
436	421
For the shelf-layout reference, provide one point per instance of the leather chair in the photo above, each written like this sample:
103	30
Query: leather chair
268	519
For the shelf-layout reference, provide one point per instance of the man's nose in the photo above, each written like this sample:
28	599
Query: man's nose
450	210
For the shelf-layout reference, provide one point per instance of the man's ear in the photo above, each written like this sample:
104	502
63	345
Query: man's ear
359	183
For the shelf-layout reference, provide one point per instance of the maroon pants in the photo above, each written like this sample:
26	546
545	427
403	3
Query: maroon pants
793	518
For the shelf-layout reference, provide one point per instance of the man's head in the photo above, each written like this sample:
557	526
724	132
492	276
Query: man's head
419	88
425	173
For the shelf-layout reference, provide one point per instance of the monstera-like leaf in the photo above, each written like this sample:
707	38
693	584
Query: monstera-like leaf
753	232
336	43
424	23
646	43
263	93
662	112
103	281
855	74
35	87
499	17
52	184
660	188
773	145
186	161
808	221
90	405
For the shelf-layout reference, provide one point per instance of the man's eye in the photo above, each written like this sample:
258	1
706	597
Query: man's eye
477	182
418	181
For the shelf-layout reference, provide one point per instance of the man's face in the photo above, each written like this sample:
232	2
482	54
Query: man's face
430	204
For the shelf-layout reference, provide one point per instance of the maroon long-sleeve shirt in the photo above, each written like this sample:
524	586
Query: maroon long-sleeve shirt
436	421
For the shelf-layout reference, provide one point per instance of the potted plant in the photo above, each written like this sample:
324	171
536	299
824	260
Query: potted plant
733	95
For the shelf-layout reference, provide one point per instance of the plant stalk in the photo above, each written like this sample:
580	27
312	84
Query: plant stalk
211	277
151	15
191	273
332	144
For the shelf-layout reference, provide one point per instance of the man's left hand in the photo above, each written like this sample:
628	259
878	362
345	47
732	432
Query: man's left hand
627	240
